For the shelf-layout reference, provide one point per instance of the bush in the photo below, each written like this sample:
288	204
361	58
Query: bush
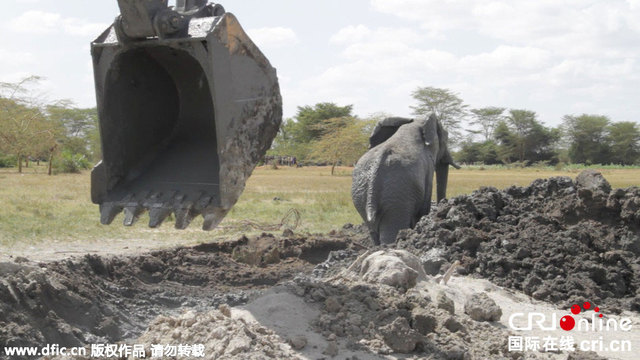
69	162
7	161
479	152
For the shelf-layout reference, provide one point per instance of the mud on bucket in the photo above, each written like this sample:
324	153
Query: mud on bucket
186	112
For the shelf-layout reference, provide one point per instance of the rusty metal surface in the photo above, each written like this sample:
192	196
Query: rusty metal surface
183	120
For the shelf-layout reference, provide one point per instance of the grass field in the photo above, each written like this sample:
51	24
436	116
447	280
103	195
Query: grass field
36	208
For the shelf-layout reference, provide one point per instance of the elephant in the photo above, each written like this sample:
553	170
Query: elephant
393	181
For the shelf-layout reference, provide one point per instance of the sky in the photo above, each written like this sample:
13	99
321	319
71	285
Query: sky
554	57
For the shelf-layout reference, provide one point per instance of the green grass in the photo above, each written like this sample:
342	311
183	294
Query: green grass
36	208
468	179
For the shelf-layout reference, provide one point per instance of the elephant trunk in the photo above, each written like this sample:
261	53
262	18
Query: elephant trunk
442	176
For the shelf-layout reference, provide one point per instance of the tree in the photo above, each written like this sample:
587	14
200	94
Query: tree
507	142
624	142
587	138
24	128
81	135
445	104
285	143
523	138
296	136
487	119
344	141
522	123
486	152
310	119
77	122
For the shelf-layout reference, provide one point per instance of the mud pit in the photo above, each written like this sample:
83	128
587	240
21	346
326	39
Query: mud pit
311	297
105	299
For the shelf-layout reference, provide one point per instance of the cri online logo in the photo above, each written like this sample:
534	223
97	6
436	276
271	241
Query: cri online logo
567	322
542	321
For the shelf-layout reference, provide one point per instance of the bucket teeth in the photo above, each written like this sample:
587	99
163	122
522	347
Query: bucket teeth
212	217
108	212
184	211
210	221
160	205
157	215
131	214
183	217
203	202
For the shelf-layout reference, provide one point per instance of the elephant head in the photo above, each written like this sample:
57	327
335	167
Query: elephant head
385	129
435	137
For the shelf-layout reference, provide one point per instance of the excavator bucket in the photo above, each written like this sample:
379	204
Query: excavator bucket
187	106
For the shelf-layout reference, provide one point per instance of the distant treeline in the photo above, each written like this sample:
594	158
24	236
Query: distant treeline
519	137
328	133
34	130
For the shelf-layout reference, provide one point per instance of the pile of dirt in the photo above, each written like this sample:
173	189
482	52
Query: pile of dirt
381	307
557	240
217	299
96	299
219	336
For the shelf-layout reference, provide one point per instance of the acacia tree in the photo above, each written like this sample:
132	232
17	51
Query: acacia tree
296	135
445	104
624	142
487	119
587	138
344	140
309	125
81	135
24	128
523	138
522	123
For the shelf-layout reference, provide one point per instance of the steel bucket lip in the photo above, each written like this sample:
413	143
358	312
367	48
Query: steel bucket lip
198	30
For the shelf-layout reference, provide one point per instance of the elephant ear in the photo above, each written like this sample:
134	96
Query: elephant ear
385	129
443	137
443	161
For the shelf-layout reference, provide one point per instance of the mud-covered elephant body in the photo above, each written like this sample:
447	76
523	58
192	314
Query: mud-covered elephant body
393	181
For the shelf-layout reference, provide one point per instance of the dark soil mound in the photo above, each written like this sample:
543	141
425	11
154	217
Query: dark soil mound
558	240
96	299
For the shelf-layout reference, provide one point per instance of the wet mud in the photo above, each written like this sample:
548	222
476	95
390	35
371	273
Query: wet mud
95	299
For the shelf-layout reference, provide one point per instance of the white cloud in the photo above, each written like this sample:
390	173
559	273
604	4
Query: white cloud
273	37
42	23
546	56
362	42
350	34
572	27
11	58
36	22
13	77
439	15
507	57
